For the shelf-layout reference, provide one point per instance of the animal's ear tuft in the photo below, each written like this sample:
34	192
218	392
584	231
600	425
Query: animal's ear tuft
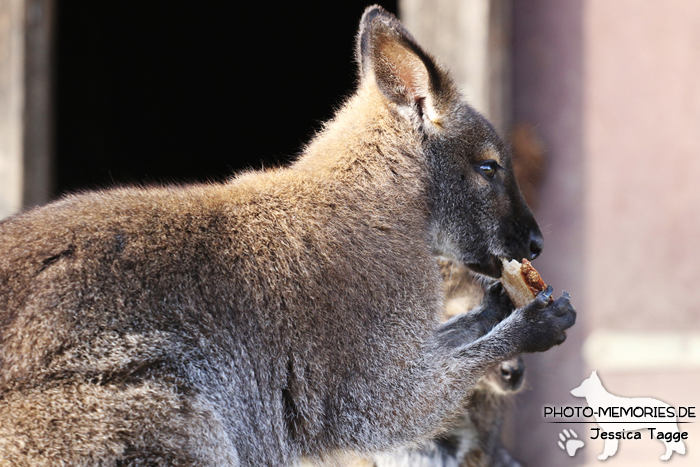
402	70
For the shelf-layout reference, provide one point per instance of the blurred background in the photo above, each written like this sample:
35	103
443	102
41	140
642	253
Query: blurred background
600	100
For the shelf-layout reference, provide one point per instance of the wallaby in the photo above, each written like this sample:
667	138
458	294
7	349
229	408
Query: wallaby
288	312
475	438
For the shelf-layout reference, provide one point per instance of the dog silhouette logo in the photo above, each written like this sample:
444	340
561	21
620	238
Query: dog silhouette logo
616	415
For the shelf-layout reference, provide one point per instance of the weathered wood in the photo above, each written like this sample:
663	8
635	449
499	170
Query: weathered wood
38	178
473	39
25	104
11	104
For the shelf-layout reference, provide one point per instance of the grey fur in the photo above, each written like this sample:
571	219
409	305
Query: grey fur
475	438
288	312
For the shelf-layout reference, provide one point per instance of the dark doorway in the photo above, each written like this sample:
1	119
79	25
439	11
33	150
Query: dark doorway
156	91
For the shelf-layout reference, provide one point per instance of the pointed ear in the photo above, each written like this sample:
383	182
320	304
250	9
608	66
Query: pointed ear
402	70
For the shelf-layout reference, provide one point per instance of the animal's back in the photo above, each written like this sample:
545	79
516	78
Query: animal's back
103	319
181	307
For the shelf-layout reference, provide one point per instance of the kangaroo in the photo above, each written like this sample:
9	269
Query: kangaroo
474	439
288	312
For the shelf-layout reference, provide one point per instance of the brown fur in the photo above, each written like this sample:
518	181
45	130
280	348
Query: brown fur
288	312
463	291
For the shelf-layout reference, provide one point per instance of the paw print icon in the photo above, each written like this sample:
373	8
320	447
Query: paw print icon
569	442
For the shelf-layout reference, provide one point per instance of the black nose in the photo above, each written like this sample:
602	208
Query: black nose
536	244
512	373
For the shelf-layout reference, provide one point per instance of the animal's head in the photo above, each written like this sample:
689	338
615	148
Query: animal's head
478	212
589	385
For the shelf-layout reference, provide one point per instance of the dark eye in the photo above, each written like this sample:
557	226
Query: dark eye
488	168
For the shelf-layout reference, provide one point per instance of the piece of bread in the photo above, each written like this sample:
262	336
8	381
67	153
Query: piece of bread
521	281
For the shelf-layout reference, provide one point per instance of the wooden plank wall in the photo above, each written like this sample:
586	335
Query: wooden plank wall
25	105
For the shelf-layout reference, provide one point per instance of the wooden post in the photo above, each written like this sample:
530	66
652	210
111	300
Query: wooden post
38	121
25	146
472	38
11	104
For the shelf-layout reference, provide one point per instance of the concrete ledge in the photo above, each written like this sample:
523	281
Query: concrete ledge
620	351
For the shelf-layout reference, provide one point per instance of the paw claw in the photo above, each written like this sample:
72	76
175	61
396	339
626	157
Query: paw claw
542	298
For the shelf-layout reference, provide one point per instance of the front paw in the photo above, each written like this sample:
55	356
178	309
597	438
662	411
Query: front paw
495	306
546	321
